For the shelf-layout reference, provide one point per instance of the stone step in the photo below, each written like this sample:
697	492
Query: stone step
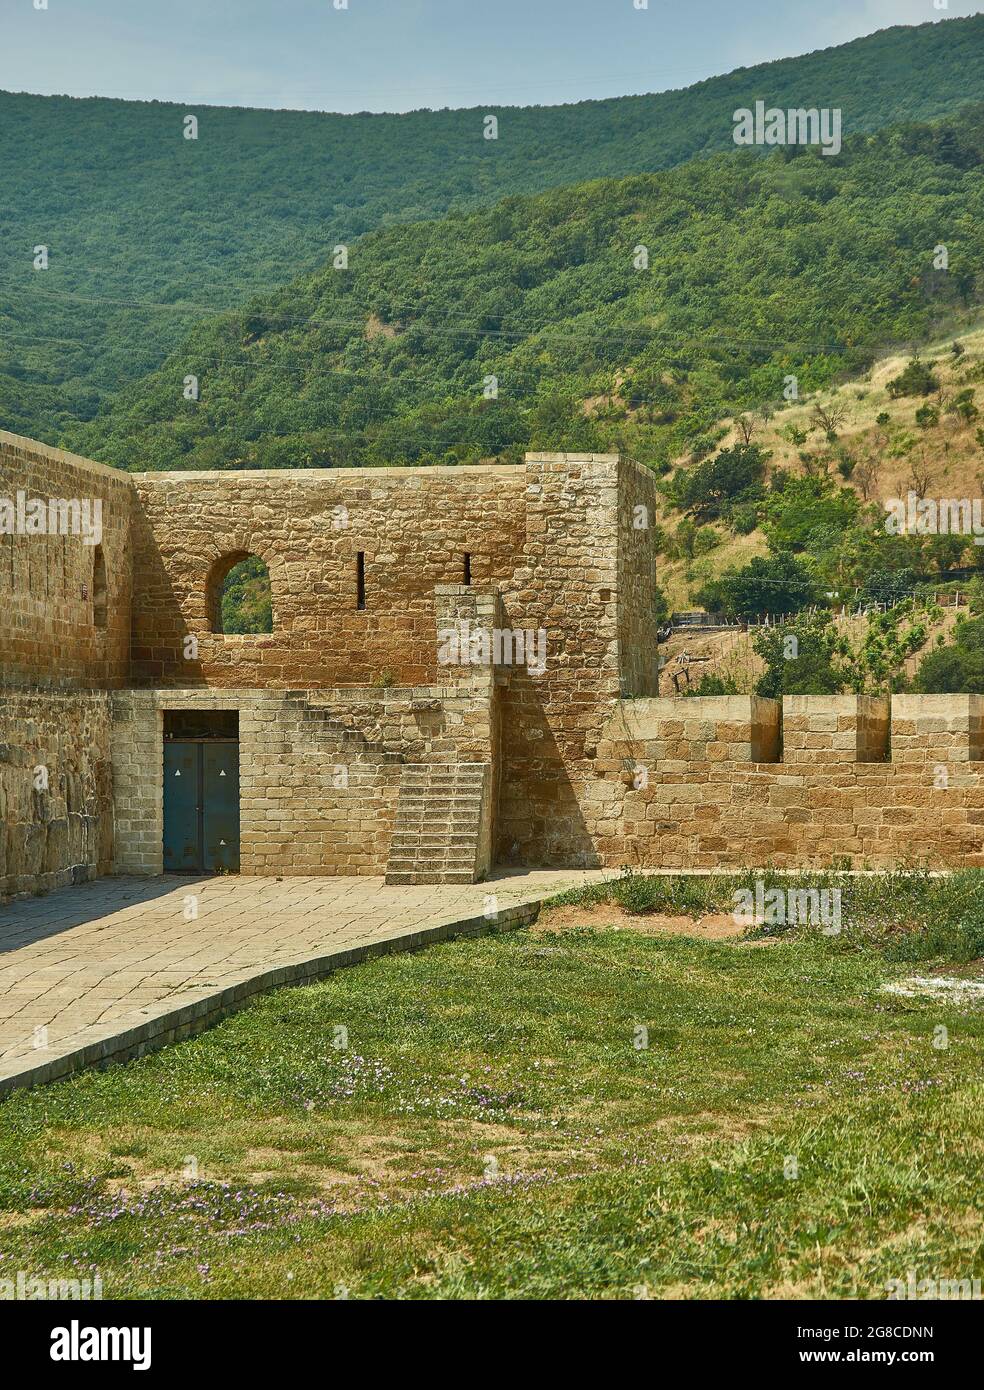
438	822
407	877
438	856
408	839
441	793
431	851
458	853
460	770
442	803
419	819
444	782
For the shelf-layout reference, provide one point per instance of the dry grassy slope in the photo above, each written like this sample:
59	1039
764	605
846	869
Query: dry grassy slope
731	656
949	454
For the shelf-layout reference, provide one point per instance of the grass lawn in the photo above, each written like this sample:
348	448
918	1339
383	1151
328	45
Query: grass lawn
480	1120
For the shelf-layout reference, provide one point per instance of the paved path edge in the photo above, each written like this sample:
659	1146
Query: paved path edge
154	1028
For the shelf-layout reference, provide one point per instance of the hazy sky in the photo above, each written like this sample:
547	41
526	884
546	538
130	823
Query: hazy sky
394	55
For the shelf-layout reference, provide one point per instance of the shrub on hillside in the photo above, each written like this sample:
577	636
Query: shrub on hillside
956	669
773	584
712	685
916	380
801	658
744	518
963	405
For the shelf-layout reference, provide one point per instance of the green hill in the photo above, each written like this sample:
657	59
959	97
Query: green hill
148	231
759	268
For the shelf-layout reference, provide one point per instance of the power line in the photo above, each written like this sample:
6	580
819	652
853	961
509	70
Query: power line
405	325
403	322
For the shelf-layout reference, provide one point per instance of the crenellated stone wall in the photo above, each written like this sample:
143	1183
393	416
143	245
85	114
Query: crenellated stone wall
701	783
551	686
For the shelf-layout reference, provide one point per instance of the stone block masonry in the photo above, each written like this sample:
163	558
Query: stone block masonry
413	528
56	817
701	783
65	597
369	744
836	728
316	796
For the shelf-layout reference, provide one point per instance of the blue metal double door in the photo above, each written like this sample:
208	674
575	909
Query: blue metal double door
201	806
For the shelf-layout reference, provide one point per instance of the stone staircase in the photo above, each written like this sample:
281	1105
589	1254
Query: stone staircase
438	826
321	723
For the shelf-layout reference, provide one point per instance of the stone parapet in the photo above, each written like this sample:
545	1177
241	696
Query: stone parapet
835	728
676	785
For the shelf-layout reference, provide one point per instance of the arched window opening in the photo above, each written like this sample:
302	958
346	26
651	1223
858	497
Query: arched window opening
240	599
100	597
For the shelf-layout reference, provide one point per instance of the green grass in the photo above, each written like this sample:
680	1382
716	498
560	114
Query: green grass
492	1130
910	915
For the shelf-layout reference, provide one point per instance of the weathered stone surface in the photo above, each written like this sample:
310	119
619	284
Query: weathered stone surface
341	698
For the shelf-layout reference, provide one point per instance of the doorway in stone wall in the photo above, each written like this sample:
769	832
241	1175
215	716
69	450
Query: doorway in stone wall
201	791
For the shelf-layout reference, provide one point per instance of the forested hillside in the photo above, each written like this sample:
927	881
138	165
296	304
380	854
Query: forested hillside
147	232
629	314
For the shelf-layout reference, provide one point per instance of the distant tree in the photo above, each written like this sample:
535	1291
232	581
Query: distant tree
888	586
828	419
921	478
916	380
805	507
956	669
707	490
946	551
801	658
745	425
864	477
774	584
661	606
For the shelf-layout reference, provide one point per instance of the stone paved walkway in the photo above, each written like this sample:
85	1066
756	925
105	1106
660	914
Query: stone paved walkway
115	967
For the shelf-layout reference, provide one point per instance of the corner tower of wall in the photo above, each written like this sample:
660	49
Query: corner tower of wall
566	589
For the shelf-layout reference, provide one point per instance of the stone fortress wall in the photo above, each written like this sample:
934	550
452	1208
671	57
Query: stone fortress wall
359	745
64	644
413	528
813	781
